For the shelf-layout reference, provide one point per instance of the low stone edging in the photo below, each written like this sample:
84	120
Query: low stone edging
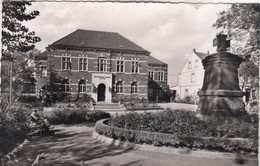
164	149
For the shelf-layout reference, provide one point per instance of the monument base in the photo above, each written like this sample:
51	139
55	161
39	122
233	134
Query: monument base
221	108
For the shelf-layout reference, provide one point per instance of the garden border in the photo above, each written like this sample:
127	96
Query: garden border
101	129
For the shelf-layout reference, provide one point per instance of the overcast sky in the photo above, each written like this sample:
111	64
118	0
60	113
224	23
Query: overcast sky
169	31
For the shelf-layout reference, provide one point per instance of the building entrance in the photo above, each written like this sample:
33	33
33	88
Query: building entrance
101	92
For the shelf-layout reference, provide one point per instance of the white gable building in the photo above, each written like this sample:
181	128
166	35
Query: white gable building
191	76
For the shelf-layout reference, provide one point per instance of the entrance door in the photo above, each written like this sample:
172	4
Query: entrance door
101	92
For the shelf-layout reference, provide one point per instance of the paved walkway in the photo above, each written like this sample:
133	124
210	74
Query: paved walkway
74	146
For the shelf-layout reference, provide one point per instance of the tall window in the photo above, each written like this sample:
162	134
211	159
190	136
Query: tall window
197	63
189	65
134	88
43	71
161	76
66	86
135	66
119	87
102	63
82	86
83	63
192	77
186	93
66	63
120	66
151	75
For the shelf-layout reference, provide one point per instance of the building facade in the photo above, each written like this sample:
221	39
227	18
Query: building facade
191	76
104	65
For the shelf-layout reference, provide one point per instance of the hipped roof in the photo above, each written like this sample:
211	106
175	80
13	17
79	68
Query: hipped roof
98	39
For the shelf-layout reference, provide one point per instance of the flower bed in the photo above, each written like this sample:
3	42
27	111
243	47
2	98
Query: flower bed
163	139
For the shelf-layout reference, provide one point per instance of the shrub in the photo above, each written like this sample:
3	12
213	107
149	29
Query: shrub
132	103
74	116
163	139
184	123
13	127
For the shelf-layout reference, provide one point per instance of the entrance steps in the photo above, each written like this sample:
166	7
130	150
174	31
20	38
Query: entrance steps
108	107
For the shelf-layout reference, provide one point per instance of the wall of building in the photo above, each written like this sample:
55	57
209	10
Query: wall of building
191	77
73	74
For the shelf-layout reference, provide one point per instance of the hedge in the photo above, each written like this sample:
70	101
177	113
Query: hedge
163	139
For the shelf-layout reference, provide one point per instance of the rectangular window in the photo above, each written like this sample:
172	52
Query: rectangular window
120	66
82	88
135	66
66	63
186	92
43	71
197	63
83	64
160	76
151	75
192	77
102	63
32	88
189	65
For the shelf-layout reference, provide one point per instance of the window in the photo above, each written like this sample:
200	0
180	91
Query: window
189	65
83	63
192	77
102	63
186	92
82	86
151	75
43	71
120	66
119	87
161	76
32	88
197	63
66	86
135	66
134	88
66	63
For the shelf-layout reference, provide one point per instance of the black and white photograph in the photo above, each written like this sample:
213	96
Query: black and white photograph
129	83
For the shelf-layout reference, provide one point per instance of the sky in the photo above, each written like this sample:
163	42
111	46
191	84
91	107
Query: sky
169	31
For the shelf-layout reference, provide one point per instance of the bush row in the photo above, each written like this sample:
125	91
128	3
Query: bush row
185	123
132	103
74	116
162	139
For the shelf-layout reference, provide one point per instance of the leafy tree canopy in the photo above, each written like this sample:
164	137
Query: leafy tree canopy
242	24
15	36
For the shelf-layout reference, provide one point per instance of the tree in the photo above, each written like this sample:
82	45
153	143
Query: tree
242	24
15	36
17	41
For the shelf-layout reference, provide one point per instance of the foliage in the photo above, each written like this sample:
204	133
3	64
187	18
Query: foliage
193	99
74	116
17	40
15	36
133	103
241	22
185	123
163	139
13	126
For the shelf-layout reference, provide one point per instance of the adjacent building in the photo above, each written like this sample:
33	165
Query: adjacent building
104	65
191	76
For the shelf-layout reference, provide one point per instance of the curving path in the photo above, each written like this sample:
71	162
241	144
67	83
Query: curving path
73	145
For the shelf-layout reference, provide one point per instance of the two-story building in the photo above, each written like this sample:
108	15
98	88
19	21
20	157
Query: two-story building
191	76
104	65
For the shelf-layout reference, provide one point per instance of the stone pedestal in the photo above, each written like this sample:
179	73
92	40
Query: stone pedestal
221	96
